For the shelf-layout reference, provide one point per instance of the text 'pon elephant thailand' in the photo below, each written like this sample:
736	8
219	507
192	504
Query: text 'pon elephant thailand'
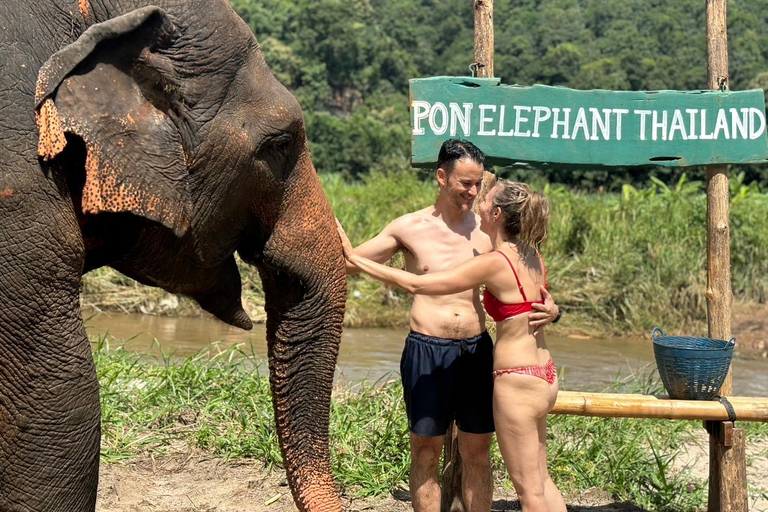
152	139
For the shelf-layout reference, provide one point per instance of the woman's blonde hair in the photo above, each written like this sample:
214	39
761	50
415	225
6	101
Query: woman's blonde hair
526	213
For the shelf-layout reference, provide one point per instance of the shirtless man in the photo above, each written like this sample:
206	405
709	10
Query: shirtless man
448	357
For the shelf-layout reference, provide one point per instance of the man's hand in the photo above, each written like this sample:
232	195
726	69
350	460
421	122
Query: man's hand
543	314
346	245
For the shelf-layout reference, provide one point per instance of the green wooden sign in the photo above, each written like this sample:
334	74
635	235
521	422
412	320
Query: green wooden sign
543	124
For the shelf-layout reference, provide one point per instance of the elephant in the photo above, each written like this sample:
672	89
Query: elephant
152	138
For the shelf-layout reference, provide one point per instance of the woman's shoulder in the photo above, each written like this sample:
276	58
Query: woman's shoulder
493	259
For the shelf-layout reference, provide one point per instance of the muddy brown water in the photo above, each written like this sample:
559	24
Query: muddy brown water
372	354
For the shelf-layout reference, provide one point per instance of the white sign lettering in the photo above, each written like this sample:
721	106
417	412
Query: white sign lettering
587	123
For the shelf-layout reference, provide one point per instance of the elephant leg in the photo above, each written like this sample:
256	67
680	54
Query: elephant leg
304	281
49	428
49	397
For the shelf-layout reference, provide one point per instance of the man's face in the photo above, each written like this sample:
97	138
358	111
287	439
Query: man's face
463	184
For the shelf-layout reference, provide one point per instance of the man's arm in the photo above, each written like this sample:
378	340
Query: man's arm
380	248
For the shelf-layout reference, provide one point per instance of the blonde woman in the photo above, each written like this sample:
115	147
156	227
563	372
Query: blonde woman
525	379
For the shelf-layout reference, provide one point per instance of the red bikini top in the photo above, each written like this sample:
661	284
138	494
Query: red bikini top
500	310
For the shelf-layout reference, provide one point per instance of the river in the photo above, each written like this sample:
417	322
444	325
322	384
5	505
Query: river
371	354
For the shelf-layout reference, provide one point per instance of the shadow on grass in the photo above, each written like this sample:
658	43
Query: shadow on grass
403	495
509	505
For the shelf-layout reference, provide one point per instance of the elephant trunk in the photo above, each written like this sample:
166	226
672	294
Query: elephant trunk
303	276
302	359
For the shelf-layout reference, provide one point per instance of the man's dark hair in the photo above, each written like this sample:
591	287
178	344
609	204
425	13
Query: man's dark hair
456	149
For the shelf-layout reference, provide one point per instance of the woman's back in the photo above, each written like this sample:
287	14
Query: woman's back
511	292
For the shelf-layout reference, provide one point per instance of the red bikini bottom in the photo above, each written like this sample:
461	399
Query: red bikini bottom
546	371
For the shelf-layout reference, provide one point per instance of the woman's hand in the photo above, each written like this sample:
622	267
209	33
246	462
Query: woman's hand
543	314
346	245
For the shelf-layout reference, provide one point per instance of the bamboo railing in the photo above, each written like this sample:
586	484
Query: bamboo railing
614	405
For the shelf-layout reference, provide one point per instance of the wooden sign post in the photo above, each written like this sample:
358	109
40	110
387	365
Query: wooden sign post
727	445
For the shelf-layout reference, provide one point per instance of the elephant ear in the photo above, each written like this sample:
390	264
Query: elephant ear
112	89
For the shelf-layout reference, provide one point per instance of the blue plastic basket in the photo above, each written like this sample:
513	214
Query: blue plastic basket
691	368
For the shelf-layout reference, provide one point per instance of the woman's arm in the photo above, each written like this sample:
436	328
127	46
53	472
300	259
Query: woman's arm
466	276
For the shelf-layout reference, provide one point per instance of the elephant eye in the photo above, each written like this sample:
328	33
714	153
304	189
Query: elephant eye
277	151
277	144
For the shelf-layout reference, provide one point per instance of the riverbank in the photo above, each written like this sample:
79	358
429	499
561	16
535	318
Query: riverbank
619	264
749	321
190	424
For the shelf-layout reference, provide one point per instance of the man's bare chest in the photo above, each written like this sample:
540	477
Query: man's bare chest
435	249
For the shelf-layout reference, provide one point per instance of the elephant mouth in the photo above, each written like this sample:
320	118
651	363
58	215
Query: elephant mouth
228	312
223	298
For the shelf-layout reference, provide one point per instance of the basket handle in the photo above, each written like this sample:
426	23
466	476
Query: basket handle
657	332
731	342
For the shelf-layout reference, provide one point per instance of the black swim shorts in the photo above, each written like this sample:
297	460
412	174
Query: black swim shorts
448	380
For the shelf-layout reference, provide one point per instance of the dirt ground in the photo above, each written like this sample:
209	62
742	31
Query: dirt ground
187	482
750	327
190	481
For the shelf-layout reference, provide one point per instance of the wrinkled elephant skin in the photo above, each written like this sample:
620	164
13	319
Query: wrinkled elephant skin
155	140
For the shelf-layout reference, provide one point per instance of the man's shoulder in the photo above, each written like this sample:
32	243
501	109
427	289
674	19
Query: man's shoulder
409	220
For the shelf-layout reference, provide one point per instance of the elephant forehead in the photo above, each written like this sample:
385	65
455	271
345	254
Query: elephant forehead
213	38
287	112
259	104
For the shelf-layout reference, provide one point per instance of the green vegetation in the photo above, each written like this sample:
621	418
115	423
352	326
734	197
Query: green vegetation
634	261
631	459
619	264
221	403
349	64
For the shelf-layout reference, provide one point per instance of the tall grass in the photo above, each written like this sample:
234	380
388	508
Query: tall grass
618	263
220	403
630	262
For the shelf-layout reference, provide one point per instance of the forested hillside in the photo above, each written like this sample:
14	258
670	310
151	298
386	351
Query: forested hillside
349	61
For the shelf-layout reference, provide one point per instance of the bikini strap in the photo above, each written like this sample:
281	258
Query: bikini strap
519	285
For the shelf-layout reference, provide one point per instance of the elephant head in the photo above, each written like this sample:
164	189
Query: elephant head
179	148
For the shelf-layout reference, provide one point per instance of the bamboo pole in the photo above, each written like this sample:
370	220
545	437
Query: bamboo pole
727	445
614	405
451	497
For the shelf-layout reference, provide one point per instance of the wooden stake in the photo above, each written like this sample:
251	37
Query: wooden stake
719	293
451	496
727	464
730	472
484	38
